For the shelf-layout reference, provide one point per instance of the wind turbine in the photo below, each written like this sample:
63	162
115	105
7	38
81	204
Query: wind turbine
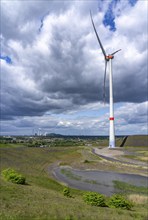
108	60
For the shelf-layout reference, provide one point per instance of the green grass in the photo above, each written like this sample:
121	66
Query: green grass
32	202
11	145
126	187
42	198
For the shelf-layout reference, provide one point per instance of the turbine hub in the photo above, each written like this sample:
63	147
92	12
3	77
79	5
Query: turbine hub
109	57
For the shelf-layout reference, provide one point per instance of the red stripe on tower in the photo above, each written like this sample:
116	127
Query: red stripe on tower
111	119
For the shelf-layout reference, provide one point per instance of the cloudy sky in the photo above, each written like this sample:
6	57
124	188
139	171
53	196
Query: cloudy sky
52	68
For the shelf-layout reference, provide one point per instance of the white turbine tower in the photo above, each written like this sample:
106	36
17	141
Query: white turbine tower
108	59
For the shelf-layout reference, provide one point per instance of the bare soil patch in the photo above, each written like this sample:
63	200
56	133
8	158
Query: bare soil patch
108	152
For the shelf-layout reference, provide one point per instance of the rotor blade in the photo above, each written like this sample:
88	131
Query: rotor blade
103	51
104	81
115	52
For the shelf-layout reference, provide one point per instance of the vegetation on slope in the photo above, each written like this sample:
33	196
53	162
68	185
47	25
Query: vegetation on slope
42	197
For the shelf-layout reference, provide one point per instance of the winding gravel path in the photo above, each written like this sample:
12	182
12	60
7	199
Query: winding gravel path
113	154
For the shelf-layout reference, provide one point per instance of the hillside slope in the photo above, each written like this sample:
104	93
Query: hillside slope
137	141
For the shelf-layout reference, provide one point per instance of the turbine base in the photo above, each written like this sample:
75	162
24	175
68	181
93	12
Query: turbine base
111	147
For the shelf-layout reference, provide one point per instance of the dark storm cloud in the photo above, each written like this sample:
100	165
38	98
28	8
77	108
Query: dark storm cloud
63	61
131	84
66	73
16	103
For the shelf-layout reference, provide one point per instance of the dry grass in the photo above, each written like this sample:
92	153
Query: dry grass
138	199
137	140
145	159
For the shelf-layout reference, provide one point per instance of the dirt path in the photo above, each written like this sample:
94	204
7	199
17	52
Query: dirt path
116	155
107	152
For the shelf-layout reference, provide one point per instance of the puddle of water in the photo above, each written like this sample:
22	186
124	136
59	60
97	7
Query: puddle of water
98	181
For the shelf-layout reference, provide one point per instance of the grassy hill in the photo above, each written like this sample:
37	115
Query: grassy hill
137	141
42	198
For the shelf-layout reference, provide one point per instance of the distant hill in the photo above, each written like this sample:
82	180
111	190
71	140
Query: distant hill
54	135
136	141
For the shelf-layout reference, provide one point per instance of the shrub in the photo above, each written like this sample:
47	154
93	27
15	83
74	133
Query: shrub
86	161
66	192
119	201
94	199
11	175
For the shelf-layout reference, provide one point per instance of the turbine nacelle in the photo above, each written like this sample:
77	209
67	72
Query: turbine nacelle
107	58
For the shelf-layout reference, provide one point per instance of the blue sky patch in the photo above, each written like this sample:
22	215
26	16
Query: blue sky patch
132	2
6	58
109	16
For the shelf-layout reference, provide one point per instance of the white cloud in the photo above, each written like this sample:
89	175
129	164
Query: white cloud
60	68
